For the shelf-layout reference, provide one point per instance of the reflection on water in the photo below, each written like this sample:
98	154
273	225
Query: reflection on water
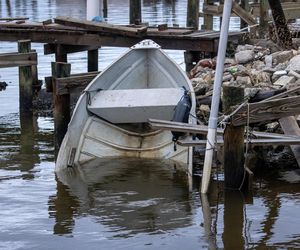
128	204
129	196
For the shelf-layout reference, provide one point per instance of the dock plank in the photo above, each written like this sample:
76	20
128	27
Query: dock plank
101	27
267	110
17	59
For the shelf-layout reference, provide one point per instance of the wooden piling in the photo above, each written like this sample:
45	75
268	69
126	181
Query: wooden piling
207	19
192	19
92	60
60	54
233	141
246	7
61	103
283	33
263	20
135	12
105	9
25	80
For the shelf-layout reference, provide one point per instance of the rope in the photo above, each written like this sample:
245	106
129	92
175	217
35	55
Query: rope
247	144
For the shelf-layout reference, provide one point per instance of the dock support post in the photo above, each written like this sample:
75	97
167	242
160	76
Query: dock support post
208	19
283	33
105	10
60	54
135	12
245	6
192	19
92	60
25	80
263	19
61	103
233	141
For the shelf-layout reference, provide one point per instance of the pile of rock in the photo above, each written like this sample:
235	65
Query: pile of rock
255	68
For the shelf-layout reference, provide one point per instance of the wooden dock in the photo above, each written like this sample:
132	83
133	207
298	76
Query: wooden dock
75	32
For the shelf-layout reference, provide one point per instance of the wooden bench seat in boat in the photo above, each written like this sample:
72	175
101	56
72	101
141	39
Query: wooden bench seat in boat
135	105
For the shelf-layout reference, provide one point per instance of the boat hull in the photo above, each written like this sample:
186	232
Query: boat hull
90	136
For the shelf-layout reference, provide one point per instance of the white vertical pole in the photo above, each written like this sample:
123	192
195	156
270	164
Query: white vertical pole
213	118
93	9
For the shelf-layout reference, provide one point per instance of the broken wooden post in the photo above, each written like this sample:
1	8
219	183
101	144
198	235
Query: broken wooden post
92	60
61	102
233	141
135	12
283	33
25	79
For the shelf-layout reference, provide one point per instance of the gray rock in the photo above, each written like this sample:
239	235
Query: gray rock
282	56
268	61
244	56
259	65
293	73
294	64
277	74
284	81
244	47
244	80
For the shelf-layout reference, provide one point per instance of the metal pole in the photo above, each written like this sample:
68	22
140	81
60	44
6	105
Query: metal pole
213	119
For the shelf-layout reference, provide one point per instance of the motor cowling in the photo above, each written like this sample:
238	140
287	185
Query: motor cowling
181	113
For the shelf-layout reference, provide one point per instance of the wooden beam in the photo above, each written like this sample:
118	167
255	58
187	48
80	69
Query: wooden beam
266	110
65	84
252	142
101	27
49	48
18	59
198	41
246	16
13	18
202	129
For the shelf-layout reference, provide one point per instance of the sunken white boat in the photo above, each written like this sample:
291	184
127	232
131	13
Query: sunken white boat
111	116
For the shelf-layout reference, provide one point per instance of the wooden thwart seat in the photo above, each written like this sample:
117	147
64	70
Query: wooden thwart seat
135	105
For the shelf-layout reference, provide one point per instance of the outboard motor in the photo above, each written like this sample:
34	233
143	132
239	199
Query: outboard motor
181	114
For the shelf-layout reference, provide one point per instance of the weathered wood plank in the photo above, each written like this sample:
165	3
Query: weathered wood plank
13	18
253	142
17	59
65	84
202	129
101	27
246	16
267	110
198	41
50	48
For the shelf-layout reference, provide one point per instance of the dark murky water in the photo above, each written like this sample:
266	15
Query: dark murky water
129	204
